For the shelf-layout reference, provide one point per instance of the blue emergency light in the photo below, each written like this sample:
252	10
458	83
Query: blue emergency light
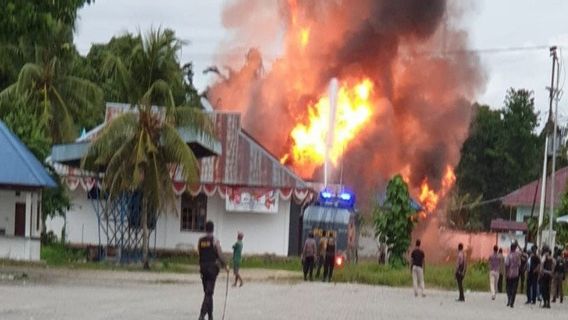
344	199
345	196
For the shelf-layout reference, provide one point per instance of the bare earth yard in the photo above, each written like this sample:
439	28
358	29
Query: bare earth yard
89	295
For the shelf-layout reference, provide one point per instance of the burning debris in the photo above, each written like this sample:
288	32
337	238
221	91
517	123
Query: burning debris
403	105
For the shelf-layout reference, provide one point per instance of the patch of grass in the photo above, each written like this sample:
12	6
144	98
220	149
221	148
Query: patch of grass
271	262
57	254
435	276
365	272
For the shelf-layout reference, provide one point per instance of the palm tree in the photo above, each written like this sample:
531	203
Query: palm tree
56	96
137	149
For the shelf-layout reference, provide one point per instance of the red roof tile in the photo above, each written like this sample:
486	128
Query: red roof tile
524	196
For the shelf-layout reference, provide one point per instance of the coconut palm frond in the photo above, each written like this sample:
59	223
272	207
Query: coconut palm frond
119	177
159	91
8	94
176	151
61	122
193	119
29	77
122	129
113	66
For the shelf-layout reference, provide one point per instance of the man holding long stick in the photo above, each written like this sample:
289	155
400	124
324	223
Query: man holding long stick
210	255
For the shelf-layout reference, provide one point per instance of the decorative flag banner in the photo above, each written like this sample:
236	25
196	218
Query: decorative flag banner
251	200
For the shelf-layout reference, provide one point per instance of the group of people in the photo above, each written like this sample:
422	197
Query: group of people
210	260
544	271
322	253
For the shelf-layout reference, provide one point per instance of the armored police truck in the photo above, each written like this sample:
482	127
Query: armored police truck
334	212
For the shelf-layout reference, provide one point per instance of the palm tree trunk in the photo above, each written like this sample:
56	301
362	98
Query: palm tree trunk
144	221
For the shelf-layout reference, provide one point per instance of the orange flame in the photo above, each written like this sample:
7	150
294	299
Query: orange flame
354	109
429	198
304	37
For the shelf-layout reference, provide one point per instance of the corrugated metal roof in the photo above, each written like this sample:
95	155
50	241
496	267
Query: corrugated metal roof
244	161
525	195
203	145
19	167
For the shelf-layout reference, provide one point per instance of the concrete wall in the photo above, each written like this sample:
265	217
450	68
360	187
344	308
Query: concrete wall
82	225
8	200
19	248
264	233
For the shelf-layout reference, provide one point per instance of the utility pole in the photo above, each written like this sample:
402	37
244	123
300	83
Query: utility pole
553	94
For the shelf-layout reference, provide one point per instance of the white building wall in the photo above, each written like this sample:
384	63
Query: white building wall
8	200
19	248
81	225
264	233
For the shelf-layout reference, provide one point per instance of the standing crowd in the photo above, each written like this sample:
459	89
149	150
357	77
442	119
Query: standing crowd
542	271
322	253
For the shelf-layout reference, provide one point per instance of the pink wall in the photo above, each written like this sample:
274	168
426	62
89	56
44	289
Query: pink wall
440	244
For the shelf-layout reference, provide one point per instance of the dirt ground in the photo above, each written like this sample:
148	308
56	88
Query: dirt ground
60	294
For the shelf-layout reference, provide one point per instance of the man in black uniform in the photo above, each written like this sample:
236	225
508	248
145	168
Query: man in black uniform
209	254
329	257
532	276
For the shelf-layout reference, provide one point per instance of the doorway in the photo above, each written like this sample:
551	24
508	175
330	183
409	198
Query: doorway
20	220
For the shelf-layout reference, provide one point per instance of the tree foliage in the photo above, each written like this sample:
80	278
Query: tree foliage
25	24
394	221
37	61
502	152
126	48
137	149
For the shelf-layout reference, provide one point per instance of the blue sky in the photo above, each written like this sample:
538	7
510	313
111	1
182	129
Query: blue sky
491	24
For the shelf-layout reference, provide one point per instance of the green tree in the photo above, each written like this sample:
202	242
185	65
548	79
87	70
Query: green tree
55	96
27	127
502	152
124	47
25	24
137	149
519	142
394	221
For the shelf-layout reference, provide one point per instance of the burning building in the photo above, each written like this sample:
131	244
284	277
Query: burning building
406	82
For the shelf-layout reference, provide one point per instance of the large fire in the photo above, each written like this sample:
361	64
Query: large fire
398	110
429	198
354	109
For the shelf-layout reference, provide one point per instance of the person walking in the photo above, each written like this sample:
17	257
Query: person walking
417	269
512	267
461	267
523	269
501	271
546	269
559	276
308	256
330	253
237	252
532	276
494	265
321	253
210	256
